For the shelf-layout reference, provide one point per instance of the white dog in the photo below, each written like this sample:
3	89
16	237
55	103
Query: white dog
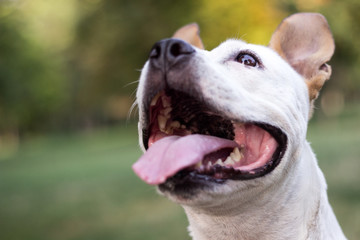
225	132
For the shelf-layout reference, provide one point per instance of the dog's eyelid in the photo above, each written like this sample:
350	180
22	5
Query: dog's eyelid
253	55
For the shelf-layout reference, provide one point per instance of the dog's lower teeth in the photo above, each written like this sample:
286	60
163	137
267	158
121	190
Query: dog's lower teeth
219	162
198	165
229	161
236	155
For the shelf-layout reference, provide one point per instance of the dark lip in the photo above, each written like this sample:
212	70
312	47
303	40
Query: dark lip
189	175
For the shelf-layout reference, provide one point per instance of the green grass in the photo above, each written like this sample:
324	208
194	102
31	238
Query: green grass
81	186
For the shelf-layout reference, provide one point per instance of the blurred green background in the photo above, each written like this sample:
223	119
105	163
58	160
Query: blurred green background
68	72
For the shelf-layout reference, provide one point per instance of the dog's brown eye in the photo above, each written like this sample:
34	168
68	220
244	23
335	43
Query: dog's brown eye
247	59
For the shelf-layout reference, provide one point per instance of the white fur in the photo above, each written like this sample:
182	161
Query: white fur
291	201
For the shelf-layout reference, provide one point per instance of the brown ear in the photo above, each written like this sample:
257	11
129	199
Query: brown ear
305	41
190	34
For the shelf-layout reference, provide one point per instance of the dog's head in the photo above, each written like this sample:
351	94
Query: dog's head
233	120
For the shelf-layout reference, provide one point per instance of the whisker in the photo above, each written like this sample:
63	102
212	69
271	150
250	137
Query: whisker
131	110
130	83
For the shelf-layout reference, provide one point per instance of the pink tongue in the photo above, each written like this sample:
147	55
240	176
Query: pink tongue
170	154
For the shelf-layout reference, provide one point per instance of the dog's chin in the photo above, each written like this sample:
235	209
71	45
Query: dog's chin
187	186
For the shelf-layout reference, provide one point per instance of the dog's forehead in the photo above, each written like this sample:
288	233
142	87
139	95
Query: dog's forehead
274	66
233	47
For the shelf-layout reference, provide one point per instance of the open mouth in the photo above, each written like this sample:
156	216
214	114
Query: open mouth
186	138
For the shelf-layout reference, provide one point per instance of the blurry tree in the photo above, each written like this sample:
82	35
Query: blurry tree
76	62
251	21
31	87
343	17
114	38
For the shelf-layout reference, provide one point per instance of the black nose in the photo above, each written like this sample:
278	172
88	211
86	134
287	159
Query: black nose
169	51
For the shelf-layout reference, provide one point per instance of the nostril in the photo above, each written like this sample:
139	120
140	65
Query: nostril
168	51
155	52
175	49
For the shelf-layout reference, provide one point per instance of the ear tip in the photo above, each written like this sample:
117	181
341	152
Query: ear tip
317	21
191	34
191	27
307	15
194	26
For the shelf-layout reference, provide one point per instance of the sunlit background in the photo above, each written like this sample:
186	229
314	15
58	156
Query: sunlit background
68	73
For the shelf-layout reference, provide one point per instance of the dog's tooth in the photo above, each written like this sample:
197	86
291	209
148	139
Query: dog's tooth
155	99
170	127
169	131
198	165
194	129
236	155
219	162
166	111
162	122
175	124
201	168
237	151
229	161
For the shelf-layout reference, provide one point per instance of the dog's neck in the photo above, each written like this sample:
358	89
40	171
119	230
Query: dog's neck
292	210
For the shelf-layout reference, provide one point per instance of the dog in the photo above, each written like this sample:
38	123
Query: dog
224	132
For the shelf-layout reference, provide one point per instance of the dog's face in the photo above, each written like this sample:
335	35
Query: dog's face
226	124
